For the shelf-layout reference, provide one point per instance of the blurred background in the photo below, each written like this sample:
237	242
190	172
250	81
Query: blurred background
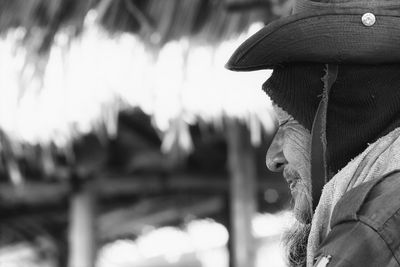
125	142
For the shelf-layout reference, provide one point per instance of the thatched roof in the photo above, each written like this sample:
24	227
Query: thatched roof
120	49
94	77
156	22
68	68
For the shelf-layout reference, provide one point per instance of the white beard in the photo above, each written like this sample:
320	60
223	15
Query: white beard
295	243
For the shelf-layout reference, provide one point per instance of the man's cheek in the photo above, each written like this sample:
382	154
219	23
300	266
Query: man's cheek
294	153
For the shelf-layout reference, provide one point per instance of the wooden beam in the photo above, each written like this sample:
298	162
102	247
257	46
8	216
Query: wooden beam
32	193
242	165
82	229
39	193
133	220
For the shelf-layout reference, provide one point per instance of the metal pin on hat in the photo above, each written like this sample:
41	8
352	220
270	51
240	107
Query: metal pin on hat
368	19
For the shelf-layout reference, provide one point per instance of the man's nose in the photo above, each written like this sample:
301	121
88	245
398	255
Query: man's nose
275	159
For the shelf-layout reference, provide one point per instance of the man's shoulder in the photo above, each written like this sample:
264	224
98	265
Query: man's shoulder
373	203
366	226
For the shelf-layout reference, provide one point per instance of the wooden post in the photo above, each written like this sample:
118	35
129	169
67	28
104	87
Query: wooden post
82	230
242	167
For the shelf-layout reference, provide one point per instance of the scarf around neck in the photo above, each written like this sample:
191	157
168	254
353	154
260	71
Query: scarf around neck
379	159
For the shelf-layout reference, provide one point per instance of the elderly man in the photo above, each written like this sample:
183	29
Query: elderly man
335	87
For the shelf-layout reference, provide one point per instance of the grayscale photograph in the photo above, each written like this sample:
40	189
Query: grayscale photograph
199	133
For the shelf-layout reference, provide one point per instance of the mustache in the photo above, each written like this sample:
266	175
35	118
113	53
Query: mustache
300	187
290	173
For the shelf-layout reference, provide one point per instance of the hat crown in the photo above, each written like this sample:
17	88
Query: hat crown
325	31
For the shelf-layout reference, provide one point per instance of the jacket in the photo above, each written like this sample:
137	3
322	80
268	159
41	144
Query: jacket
365	226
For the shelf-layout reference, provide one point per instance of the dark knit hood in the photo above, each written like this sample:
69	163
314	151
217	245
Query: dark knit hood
364	104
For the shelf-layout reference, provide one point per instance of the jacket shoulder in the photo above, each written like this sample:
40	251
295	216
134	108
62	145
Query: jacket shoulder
366	225
373	202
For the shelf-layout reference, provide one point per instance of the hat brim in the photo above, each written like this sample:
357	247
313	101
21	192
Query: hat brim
328	36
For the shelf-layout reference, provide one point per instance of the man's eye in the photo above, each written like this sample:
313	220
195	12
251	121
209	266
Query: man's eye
284	122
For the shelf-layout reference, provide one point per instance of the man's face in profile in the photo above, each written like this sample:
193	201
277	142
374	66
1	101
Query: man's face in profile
290	153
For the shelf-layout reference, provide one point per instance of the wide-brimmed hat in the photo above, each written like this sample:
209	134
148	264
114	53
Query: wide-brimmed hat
325	31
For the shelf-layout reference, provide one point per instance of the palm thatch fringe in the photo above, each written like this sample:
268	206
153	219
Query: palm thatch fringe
87	81
69	67
156	22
